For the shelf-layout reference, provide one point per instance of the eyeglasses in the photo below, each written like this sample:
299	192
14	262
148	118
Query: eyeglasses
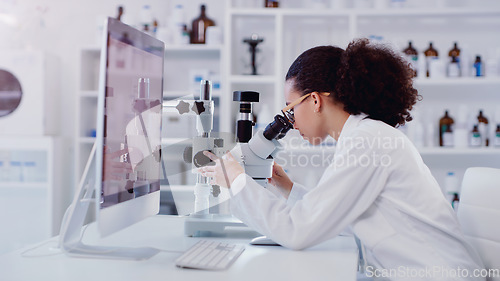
288	110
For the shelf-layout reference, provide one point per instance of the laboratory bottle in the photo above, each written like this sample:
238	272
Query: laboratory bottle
177	22
120	13
185	35
448	137
454	63
411	55
478	67
431	55
199	26
475	137
497	137
446	130
146	16
452	189
271	3
455	201
155	27
483	127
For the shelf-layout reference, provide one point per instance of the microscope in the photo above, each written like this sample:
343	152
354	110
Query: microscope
255	152
217	143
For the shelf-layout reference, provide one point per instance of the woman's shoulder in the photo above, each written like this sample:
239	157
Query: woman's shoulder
366	126
376	135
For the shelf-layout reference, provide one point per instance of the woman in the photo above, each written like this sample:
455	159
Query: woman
377	184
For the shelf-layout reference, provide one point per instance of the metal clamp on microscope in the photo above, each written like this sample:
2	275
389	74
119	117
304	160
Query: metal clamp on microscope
203	109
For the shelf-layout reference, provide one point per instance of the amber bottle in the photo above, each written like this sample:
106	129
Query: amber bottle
454	63
412	56
430	55
199	27
445	127
482	123
271	3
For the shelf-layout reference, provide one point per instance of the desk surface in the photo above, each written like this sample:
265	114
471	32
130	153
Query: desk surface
332	260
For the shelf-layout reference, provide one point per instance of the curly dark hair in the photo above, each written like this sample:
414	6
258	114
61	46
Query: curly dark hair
365	78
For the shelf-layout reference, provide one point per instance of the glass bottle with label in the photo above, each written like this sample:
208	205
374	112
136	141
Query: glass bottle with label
199	27
146	16
431	55
475	137
271	3
412	56
454	64
478	67
483	127
120	13
452	189
446	130
497	137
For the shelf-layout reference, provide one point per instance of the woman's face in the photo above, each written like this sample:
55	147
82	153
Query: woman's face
307	121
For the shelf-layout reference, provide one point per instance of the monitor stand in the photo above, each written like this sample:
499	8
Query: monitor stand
70	239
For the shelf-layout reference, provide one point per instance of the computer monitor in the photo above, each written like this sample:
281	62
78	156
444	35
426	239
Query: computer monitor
128	142
126	157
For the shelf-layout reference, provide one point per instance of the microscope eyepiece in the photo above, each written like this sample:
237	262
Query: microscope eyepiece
278	128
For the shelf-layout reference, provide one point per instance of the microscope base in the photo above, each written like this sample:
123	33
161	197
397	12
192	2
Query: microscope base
210	225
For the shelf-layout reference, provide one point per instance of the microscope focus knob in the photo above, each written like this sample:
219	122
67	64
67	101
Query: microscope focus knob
200	160
188	155
182	107
218	142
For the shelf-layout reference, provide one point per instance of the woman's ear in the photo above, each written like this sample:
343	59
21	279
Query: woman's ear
317	103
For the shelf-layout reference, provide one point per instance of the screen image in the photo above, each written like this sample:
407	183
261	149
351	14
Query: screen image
132	119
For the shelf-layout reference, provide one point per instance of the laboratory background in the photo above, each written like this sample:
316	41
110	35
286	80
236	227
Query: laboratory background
49	75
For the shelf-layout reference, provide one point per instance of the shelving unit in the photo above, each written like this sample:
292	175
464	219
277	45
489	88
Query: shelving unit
33	197
290	31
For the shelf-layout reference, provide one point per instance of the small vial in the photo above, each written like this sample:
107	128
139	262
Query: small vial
452	189
475	137
478	67
496	141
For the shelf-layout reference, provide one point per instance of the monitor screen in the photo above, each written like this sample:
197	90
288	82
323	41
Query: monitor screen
129	125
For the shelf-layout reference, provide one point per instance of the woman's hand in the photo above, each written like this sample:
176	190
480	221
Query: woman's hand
114	168
281	180
225	170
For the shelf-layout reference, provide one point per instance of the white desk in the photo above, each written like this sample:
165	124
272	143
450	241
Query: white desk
333	260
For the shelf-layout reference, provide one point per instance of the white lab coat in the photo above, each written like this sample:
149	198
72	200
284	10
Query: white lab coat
379	186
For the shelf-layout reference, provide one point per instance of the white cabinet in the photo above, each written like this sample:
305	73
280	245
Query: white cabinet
290	30
33	197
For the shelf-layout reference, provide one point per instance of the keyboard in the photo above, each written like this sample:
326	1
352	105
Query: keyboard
210	255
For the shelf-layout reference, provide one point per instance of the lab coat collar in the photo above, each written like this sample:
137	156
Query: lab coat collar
351	123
